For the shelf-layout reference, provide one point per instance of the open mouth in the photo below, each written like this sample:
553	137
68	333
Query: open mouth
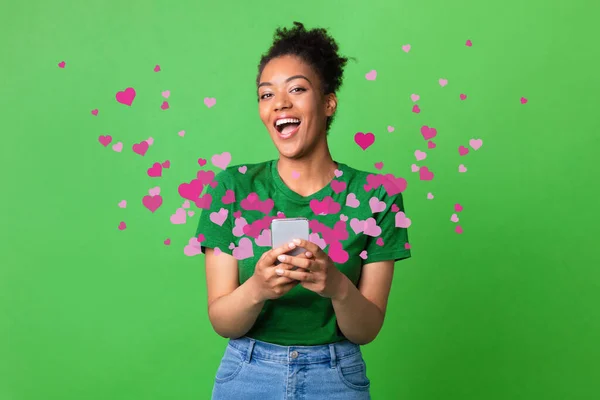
287	127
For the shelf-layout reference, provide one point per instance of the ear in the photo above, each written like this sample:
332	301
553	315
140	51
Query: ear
330	104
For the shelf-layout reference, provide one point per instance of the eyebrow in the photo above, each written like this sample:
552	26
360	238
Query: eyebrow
287	80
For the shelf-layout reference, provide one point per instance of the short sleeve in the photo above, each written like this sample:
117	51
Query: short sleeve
217	230
395	239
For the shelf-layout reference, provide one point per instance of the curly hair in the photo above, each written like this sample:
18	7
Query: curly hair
316	48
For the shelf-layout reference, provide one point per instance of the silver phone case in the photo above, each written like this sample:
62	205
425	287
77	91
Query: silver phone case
284	230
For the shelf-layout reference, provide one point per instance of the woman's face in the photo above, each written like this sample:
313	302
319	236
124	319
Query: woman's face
289	88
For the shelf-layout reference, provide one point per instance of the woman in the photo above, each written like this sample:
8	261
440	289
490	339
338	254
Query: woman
297	334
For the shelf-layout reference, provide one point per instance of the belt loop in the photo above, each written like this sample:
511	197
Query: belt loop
332	352
250	350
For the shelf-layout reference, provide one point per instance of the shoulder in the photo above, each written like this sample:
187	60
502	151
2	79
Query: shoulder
244	172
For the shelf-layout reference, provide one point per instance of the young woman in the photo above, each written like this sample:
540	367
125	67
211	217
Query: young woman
297	334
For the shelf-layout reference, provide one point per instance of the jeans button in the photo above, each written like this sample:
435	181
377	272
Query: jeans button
294	354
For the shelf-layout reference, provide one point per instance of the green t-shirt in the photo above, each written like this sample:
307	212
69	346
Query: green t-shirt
344	220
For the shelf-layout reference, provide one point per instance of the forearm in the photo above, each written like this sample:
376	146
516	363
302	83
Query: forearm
233	315
359	319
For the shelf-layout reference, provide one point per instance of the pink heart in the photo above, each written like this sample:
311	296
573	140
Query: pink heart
430	196
190	213
192	248
314	238
237	214
390	128
338	173
428	133
376	205
155	191
264	239
406	48
343	217
371	228
157	68
164	105
140	148
357	225
229	197
352	201
179	217
200	238
181	133
401	220
379	165
221	160
458	207
243	169
155	171
463	151
126	97
416	109
240	224
202	162
523	100
186	204
295	174
122	226
462	168
105	140
395	208
219	217
210	101
459	229
363	254
166	94
407	246
454	218
430	145
61	64
150	141
475	143
371	75
469	44
364	140
463	96
425	174
379	241
443	82
152	203
217	251
166	164
415	97
338	186
95	112
420	155
231	246
123	203
244	250
118	147
167	241
414	168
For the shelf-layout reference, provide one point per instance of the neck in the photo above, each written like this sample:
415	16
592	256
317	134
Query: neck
316	170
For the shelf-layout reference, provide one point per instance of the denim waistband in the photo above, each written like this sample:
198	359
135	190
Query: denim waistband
249	348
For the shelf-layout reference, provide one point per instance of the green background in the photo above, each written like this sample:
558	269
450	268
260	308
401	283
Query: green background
506	310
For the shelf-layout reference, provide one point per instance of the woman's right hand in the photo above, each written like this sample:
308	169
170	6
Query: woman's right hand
271	286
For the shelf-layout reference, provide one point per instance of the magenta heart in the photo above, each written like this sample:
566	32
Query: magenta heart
167	242
459	229
463	151
202	162
463	96
337	253
200	238
126	97
425	174
166	164
122	225
157	68
338	186
430	145
61	64
155	171
469	43
458	207
237	214
95	112
523	100
407	246
427	132
140	148
229	197
152	203
395	208
105	140
364	140
416	109
379	241
379	165
164	105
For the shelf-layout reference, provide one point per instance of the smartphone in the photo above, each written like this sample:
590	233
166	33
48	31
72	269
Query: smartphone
284	230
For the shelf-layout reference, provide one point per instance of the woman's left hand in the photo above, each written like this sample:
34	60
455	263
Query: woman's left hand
318	274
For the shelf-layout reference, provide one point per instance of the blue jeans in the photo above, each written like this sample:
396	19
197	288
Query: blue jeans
252	369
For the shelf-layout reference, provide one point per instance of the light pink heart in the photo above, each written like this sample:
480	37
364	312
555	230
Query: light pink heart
181	133
295	174
221	160
401	220
244	250
154	191
415	97
414	168
390	128
376	205
210	101
238	229
420	155
371	75
352	201
219	217
371	228
243	169
264	239
406	48
430	196
179	217
166	94
363	254
454	218
343	217
462	168
123	203
190	213
475	143
117	147
443	82
338	173
192	248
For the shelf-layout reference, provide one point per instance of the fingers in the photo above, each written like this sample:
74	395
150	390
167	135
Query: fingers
309	246
271	255
299	261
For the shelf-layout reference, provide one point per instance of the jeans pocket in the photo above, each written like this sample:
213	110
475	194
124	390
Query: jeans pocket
231	364
352	370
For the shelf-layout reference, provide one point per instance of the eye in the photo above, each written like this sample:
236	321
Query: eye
299	88
263	96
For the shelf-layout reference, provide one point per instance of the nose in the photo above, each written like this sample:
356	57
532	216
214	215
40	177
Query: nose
282	101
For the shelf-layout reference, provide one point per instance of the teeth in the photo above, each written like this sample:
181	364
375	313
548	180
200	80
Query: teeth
286	121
